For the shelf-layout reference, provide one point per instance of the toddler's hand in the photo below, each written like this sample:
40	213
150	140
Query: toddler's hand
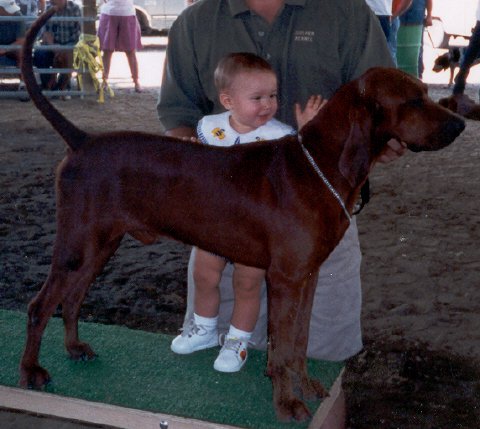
314	104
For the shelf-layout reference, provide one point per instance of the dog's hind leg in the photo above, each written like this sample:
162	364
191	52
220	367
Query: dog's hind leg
77	259
72	303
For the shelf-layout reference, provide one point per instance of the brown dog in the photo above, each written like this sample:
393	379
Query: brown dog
463	105
277	212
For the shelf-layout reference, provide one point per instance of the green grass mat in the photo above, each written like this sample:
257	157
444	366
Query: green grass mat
136	369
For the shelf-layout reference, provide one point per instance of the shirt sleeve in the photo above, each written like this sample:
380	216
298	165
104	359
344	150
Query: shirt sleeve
182	101
366	45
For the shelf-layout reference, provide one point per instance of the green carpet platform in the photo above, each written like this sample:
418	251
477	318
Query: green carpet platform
136	377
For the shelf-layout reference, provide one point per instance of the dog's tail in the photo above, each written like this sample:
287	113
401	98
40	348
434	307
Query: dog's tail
73	136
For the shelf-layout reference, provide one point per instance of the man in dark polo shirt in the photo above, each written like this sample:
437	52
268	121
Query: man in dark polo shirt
314	48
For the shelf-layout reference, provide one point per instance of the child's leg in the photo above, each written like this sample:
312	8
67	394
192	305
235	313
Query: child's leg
247	282
207	272
202	332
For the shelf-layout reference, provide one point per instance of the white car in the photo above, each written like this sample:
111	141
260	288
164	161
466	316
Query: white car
157	16
451	19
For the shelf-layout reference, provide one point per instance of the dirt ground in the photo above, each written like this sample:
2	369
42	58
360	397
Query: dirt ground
421	264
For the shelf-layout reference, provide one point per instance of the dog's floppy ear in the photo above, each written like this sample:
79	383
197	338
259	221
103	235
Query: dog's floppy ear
443	102
354	161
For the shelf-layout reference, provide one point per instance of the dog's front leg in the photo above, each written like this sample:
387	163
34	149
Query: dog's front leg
284	359
310	389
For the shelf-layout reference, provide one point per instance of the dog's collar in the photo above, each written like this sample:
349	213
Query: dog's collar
325	180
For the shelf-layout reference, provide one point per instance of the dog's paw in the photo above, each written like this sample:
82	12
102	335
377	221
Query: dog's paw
312	389
292	409
81	351
34	377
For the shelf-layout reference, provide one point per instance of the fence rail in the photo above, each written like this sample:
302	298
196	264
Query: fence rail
15	72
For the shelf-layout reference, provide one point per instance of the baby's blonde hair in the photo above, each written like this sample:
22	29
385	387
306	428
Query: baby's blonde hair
233	64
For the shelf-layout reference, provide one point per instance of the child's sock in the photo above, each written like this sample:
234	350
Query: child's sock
238	333
208	323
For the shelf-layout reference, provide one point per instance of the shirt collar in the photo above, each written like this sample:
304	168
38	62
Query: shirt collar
240	6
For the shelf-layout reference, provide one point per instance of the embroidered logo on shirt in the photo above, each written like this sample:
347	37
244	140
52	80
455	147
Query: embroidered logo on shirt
303	36
218	133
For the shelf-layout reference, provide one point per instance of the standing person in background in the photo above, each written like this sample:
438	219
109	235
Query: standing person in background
119	30
383	11
387	12
410	35
398	8
65	33
314	47
471	53
428	22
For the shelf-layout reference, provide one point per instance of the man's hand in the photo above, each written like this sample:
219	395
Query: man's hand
181	132
184	133
393	150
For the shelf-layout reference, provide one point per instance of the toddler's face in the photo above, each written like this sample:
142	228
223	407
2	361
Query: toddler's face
252	100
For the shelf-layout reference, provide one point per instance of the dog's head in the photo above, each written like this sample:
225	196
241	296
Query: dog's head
401	109
441	63
384	104
446	60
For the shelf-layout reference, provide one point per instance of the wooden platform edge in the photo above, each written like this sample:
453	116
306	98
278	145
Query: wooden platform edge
94	412
329	415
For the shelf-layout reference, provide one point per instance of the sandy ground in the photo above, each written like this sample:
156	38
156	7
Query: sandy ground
419	235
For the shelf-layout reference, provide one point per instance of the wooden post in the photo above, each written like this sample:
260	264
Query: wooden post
89	11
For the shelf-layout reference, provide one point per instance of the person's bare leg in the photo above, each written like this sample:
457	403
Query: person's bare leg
207	272
133	64
107	60
247	283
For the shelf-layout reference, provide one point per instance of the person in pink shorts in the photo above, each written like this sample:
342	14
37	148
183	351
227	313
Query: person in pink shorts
119	30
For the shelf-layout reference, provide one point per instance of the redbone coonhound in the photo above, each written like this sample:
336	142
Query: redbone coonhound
285	204
463	105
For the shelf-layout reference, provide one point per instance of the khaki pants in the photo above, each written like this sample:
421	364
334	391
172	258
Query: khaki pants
335	332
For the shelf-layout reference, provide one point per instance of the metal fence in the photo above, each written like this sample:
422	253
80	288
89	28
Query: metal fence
13	72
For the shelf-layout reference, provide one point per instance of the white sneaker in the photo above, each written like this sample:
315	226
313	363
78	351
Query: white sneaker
193	338
232	356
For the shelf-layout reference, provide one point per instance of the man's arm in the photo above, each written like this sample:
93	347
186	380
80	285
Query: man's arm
428	17
182	101
41	6
365	42
399	7
19	41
